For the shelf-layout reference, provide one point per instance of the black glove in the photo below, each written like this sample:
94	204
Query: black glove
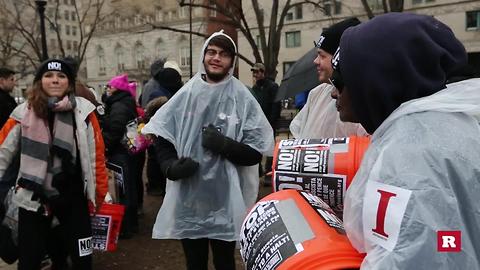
213	140
237	152
181	168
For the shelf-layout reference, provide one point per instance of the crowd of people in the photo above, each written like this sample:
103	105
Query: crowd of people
396	78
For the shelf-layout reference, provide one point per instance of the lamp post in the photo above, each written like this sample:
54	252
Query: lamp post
41	11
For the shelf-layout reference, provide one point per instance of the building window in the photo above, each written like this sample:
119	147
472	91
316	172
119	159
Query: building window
289	16
137	20
259	42
473	20
172	15
158	15
74	30
51	12
119	58
184	56
72	16
213	12
158	47
118	22
295	13
65	2
332	7
375	4
286	66
299	12
101	61
69	45
75	45
67	30
53	43
66	15
292	39
51	26
140	55
183	12
72	2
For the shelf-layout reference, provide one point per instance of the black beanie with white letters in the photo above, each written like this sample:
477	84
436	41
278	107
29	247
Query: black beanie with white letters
55	65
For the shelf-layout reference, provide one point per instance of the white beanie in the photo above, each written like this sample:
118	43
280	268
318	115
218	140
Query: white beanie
174	65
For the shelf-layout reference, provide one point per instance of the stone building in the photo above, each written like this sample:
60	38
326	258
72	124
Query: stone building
134	35
304	24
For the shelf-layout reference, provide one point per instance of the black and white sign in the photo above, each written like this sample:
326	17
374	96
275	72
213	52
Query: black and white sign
329	187
100	231
324	211
264	239
115	172
308	164
85	247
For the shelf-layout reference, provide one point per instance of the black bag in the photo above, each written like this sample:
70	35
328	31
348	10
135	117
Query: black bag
8	249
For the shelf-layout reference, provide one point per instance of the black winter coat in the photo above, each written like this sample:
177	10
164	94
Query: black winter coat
264	92
7	104
120	109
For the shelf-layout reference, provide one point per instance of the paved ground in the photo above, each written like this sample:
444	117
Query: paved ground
142	252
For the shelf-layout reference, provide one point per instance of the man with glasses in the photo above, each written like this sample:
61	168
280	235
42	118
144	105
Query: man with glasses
210	136
264	90
319	117
7	102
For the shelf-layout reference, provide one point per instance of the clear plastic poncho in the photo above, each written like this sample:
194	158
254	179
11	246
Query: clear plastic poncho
319	118
213	202
424	162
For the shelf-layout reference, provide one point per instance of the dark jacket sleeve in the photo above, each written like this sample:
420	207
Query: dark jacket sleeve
275	107
241	154
115	123
7	105
165	153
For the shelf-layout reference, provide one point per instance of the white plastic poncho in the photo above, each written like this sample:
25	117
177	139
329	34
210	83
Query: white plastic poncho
213	202
420	175
319	118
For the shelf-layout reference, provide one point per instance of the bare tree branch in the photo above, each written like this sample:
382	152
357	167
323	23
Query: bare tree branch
157	26
230	13
367	9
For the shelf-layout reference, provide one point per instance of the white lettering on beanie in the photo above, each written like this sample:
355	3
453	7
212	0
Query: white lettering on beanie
54	66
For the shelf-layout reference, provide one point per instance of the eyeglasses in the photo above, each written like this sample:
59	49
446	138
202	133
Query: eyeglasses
337	80
212	53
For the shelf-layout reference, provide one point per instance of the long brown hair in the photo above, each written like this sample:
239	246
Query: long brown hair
38	99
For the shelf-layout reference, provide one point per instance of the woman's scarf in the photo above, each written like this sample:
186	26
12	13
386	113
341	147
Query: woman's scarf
43	156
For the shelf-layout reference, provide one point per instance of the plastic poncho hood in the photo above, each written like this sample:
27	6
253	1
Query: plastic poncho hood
213	202
319	118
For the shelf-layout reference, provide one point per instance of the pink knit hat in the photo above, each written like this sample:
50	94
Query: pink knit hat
132	89
120	82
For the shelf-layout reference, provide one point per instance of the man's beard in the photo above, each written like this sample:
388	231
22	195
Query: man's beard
216	77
